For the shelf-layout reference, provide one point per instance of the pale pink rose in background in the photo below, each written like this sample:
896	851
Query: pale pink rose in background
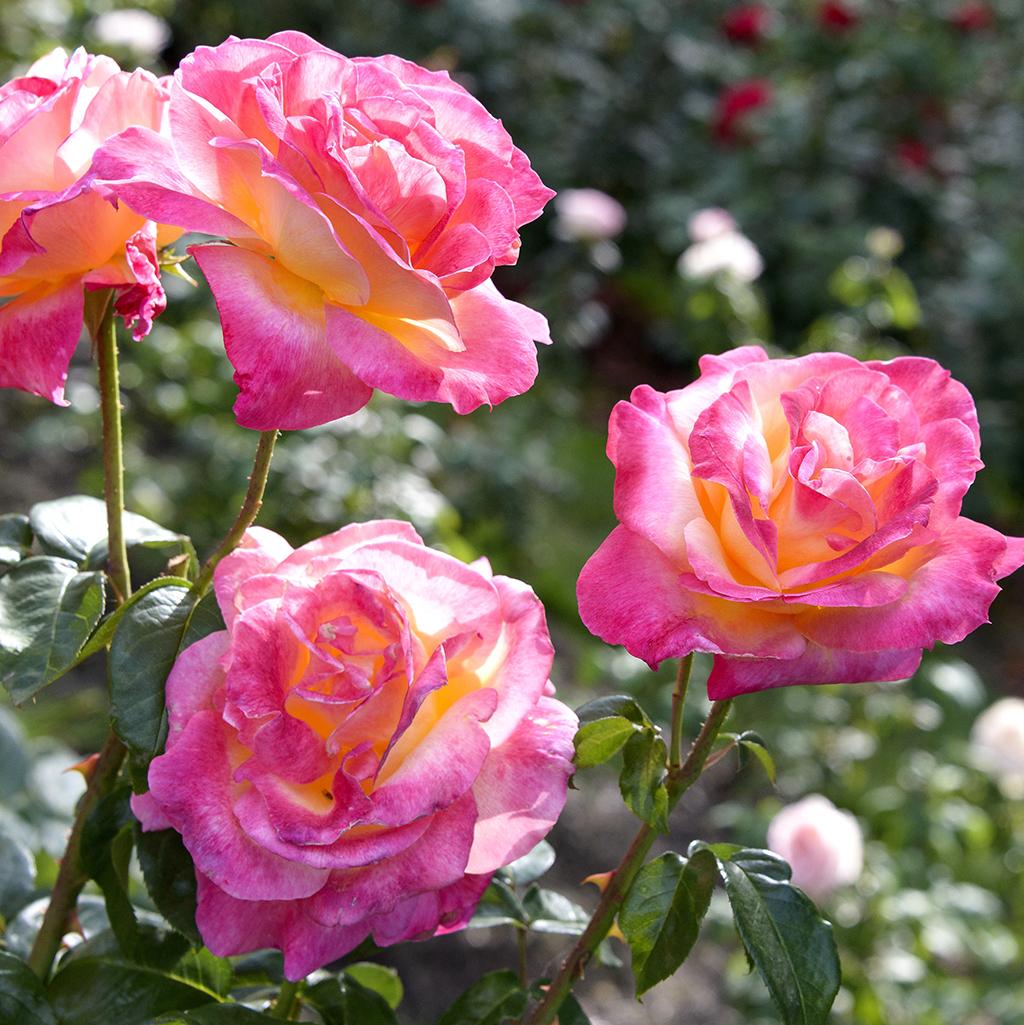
822	844
588	215
798	518
60	233
719	247
368	202
368	741
709	222
997	744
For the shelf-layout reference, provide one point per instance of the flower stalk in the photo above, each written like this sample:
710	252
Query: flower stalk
71	876
681	776
247	514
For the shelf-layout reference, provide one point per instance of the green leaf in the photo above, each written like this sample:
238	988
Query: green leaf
499	906
206	970
751	742
170	878
142	652
642	780
661	915
602	739
531	866
106	630
47	611
14	759
379	978
787	940
613	705
216	1014
15	538
90	990
548	911
344	1002
75	527
17	876
489	1001
157	947
22	999
570	1012
106	852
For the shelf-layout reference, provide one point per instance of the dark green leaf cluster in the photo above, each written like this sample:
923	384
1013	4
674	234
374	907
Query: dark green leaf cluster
617	723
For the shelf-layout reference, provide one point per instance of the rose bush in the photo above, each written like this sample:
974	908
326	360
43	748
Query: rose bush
823	845
60	233
368	200
799	518
368	741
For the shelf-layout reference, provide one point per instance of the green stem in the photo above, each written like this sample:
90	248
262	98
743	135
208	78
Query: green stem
71	877
287	996
113	453
680	779
523	963
675	746
247	514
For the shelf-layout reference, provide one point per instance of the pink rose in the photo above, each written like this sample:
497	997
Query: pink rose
368	202
799	518
368	741
588	215
59	232
822	844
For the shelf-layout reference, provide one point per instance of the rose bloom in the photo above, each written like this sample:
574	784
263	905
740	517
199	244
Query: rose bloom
972	17
836	17
797	518
913	154
132	29
747	24
370	738
60	234
730	253
368	202
709	222
735	105
822	844
588	215
997	744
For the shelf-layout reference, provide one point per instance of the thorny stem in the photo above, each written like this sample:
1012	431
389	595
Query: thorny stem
247	514
71	876
680	778
675	746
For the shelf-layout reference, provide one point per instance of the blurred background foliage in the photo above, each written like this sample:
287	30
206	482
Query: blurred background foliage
873	154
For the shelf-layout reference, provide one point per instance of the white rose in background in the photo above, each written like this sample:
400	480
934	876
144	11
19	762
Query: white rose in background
588	215
132	29
997	744
719	248
823	845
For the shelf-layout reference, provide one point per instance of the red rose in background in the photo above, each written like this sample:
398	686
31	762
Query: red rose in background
913	154
971	17
746	25
836	17
735	103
